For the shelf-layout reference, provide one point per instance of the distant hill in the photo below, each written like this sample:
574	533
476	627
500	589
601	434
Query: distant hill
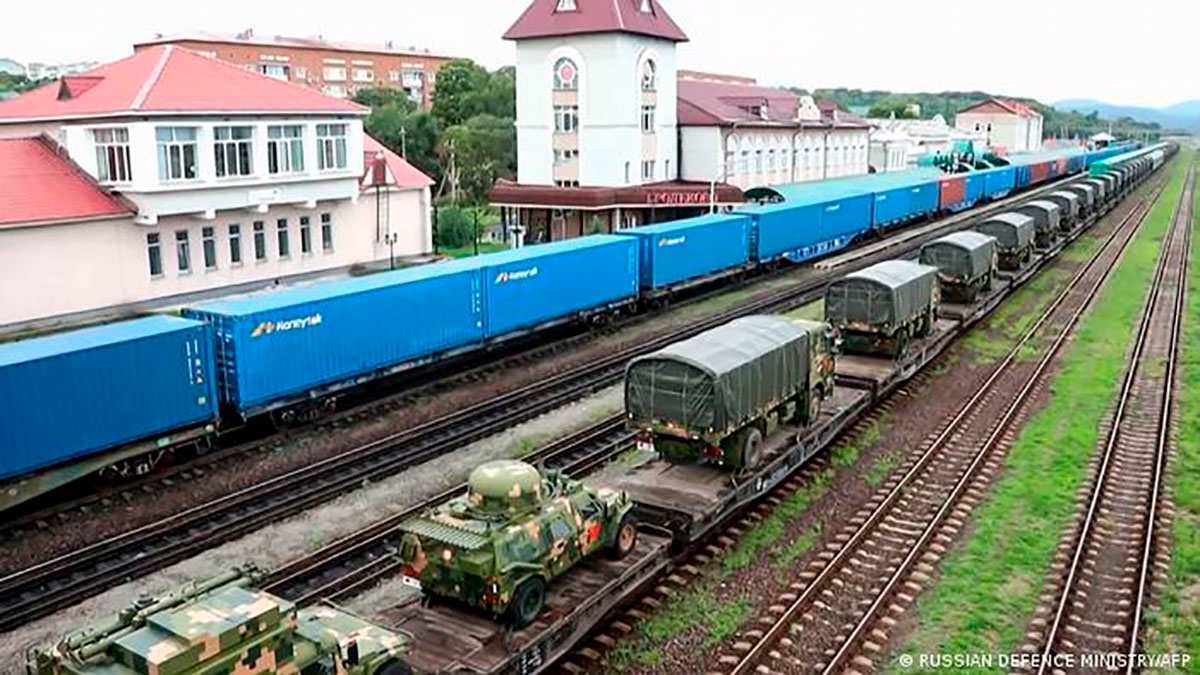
1184	115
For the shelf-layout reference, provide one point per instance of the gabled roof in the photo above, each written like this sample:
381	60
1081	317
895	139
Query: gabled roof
168	79
712	102
385	168
39	185
543	19
996	104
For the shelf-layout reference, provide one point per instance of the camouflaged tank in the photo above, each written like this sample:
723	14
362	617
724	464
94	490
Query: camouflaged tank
223	626
500	545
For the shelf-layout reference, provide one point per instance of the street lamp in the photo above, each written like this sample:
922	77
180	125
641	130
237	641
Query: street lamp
391	238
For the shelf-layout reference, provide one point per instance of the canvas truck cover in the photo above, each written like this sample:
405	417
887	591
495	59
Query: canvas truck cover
890	292
1086	192
720	378
1045	214
1011	230
1069	201
960	256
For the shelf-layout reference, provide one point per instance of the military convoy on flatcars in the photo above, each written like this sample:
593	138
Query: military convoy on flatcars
710	398
1014	233
500	545
1046	218
1069	209
223	626
966	263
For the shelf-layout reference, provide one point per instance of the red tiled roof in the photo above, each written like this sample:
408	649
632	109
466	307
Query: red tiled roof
717	103
1006	104
285	42
39	185
542	19
168	79
390	169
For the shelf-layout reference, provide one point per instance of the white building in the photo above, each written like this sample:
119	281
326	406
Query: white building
734	131
11	67
898	143
1009	126
169	176
53	71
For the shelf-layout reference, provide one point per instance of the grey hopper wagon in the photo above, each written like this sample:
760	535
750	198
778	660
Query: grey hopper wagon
707	399
965	262
1046	217
1014	234
1069	206
881	308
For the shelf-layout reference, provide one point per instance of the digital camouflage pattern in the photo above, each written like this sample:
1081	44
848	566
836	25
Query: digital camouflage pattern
511	526
222	627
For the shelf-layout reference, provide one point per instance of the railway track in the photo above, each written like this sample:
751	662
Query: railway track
65	580
1100	598
839	614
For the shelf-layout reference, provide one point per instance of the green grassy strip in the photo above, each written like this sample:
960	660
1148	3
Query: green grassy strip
989	586
1174	627
702	607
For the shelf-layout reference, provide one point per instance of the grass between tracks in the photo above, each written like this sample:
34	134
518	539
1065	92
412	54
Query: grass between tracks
1174	626
989	586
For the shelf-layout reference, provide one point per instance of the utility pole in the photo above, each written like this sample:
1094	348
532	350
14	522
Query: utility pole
404	142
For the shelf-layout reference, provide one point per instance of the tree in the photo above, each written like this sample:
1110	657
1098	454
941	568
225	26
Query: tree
460	85
396	122
484	148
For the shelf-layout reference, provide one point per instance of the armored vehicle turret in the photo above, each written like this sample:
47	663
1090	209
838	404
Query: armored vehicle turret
223	625
499	546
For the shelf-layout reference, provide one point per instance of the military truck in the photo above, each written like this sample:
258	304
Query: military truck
499	546
1046	216
965	262
224	626
708	399
880	309
1069	205
1014	234
1088	202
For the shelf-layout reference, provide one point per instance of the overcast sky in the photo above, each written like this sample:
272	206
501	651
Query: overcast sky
1015	47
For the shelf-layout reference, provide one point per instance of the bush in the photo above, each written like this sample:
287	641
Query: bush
456	227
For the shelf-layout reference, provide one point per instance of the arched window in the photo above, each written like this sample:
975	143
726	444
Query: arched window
649	76
566	75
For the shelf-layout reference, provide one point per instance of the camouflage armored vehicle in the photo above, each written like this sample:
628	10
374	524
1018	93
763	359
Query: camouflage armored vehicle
500	545
223	626
709	398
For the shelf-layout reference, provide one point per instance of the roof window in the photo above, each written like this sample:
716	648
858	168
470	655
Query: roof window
565	6
646	7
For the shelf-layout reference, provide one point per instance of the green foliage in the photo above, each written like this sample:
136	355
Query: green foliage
990	585
396	122
484	149
456	227
702	609
19	83
465	89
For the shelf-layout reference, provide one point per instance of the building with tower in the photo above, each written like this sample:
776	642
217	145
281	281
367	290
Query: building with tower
612	134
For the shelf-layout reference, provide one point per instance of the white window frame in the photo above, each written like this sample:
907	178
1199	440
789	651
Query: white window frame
327	233
648	169
183	251
362	74
173	153
113	163
233	151
259	230
154	254
305	235
285	149
276	71
332	153
283	239
648	119
235	245
566	119
649	75
333	73
565	6
208	247
559	84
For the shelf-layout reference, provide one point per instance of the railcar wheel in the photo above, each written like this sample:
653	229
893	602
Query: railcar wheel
528	601
625	540
901	338
751	442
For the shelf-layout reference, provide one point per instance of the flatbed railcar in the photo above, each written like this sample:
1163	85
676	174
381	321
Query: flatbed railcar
810	220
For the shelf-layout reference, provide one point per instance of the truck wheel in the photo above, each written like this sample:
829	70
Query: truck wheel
528	601
751	447
395	667
814	408
625	540
901	349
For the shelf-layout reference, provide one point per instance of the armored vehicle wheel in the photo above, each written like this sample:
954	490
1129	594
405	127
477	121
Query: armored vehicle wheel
625	540
528	601
751	443
901	349
395	668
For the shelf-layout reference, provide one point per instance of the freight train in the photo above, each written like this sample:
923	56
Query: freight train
115	397
676	504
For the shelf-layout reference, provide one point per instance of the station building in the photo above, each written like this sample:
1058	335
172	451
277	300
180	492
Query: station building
335	68
611	134
169	176
1009	126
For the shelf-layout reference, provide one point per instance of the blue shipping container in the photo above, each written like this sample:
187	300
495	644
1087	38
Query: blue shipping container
787	230
905	196
273	348
74	394
681	250
533	285
998	182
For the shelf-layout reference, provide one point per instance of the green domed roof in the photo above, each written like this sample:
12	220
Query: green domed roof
504	484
